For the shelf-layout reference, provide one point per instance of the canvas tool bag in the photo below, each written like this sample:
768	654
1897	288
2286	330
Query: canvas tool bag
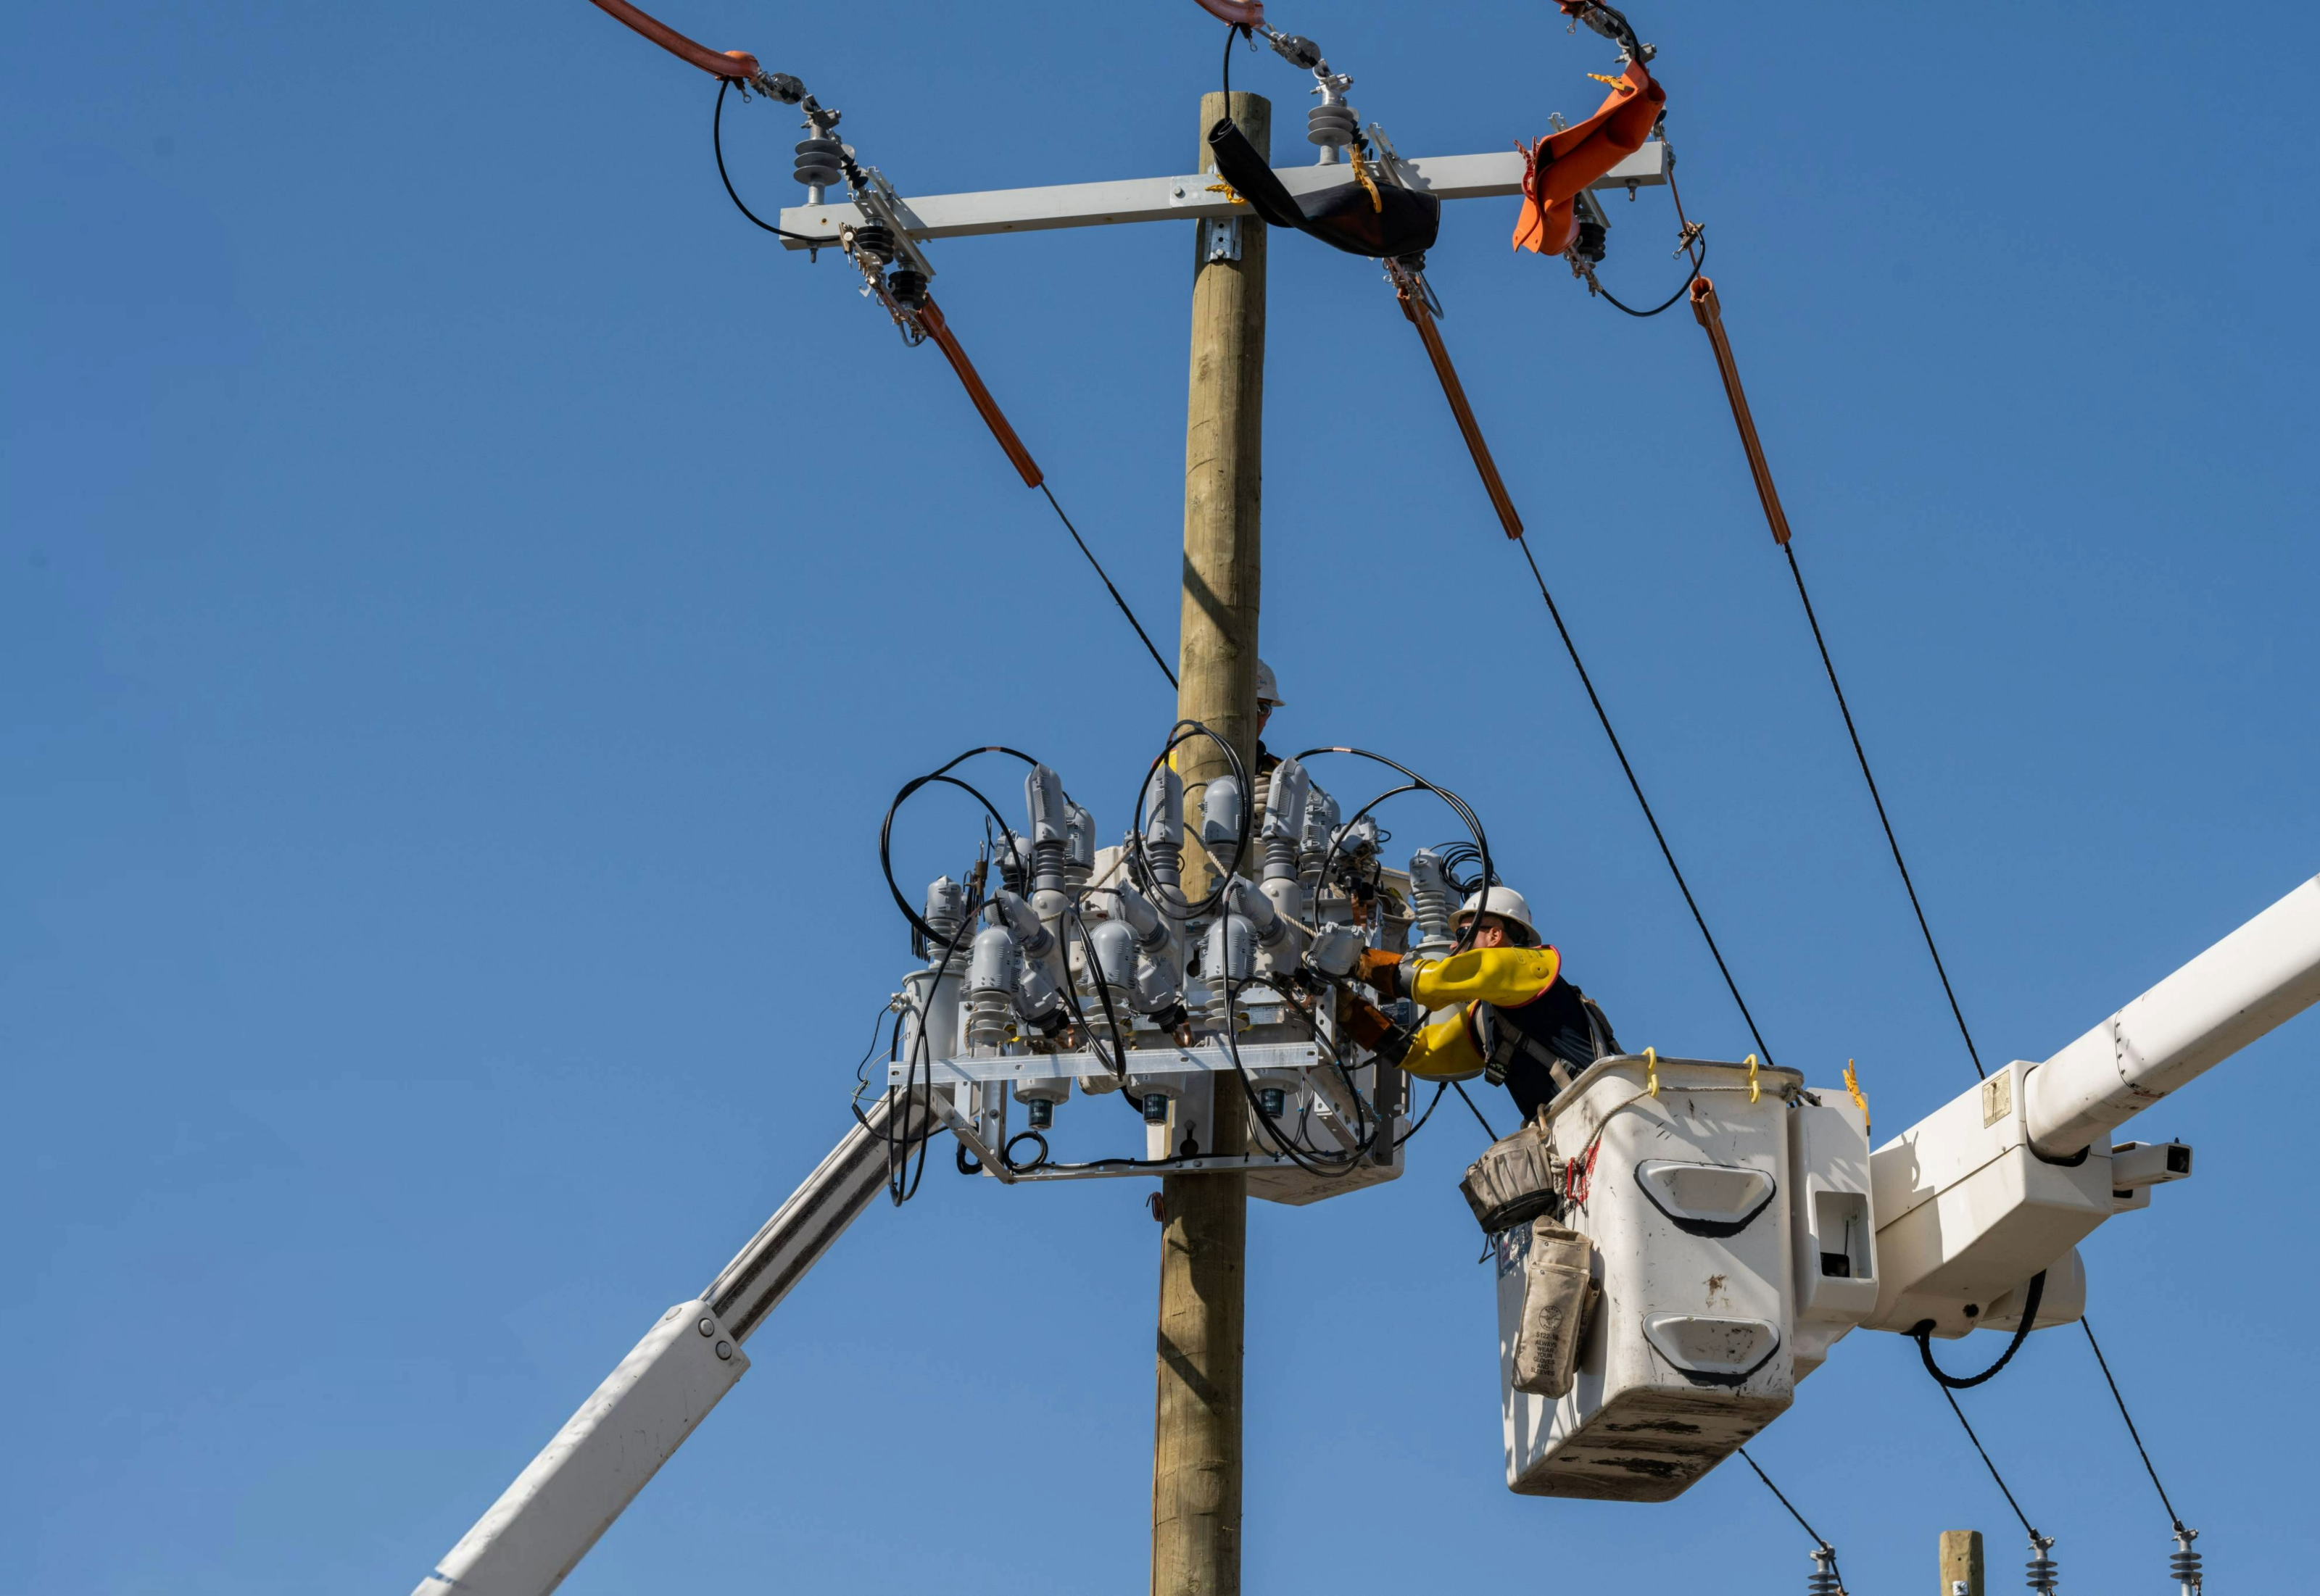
1559	1296
1513	1181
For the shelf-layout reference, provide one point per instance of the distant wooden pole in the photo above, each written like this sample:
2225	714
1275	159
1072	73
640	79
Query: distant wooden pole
1961	1563
1196	1450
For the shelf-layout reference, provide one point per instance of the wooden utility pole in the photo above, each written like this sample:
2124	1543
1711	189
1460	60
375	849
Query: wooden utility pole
1961	1563
1196	1452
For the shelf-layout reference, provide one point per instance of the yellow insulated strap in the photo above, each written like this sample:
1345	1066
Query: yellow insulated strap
1853	1085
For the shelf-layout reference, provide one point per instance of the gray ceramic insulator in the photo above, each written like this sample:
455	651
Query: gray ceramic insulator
1220	815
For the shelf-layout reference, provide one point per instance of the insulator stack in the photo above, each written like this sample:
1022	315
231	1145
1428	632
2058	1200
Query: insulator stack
873	242
1824	1581
1330	125
989	1015
2043	1572
945	913
2183	1567
909	288
1593	242
820	162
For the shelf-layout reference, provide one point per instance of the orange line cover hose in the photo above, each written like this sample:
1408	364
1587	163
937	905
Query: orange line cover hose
1454	391
930	317
1709	312
738	64
1240	14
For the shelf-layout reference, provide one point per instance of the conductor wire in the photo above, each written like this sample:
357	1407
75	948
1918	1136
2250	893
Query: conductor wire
1637	787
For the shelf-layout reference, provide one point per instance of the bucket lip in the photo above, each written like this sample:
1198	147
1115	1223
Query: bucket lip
1769	1074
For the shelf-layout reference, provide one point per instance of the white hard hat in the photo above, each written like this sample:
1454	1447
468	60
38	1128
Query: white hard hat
1504	902
1268	690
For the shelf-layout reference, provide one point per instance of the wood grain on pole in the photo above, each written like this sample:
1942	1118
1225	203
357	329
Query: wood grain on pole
1961	1563
1196	1450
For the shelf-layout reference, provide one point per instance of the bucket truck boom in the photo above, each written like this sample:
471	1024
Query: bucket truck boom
585	1478
2006	1179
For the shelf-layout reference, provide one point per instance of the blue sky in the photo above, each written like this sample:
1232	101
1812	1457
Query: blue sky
468	599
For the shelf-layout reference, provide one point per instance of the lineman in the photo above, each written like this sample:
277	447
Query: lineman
1518	1022
1268	699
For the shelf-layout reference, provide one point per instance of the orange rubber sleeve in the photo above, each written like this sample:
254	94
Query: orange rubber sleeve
1709	312
930	317
737	64
1456	392
1240	14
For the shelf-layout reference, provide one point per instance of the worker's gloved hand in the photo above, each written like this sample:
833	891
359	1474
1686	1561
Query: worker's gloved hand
1335	953
1381	969
1370	1028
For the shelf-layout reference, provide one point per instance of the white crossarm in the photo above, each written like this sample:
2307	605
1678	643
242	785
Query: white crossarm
1496	176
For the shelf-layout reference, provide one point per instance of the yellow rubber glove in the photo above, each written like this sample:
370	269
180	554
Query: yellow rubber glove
1444	1049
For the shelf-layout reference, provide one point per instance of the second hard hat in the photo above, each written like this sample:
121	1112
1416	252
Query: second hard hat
1505	903
1268	690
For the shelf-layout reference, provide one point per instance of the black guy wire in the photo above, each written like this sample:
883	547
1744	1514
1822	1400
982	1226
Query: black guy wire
716	142
1882	818
2103	1363
1818	1539
1108	588
2028	1528
1637	787
1469	1101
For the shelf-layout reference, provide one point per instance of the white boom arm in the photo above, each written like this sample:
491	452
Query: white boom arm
587	1476
2005	1180
2265	973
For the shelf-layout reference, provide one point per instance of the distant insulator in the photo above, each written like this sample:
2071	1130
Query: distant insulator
873	242
1329	125
1594	237
2183	1567
1824	1581
820	162
2044	1572
909	287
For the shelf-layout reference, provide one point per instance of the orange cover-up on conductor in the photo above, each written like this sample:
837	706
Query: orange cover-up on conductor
1563	164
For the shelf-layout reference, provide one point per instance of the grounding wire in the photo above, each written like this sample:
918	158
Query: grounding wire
1105	578
2103	1363
716	142
1819	1540
1637	787
1883	819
